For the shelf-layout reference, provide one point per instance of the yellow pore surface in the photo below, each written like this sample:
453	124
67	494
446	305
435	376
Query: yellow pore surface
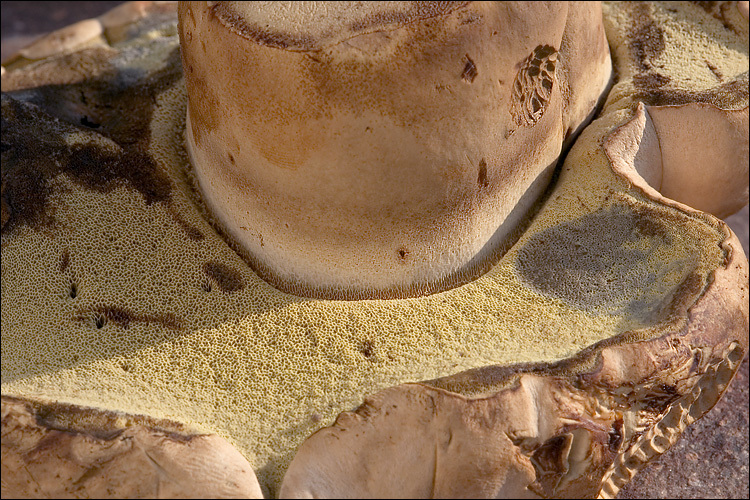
119	306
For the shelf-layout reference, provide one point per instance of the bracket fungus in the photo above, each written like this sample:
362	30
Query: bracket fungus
490	228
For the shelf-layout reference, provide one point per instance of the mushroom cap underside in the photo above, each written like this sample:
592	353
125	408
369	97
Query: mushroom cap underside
172	323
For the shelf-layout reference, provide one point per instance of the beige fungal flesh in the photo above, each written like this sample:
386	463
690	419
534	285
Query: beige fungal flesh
621	310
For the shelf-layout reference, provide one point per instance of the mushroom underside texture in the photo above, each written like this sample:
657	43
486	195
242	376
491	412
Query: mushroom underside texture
618	317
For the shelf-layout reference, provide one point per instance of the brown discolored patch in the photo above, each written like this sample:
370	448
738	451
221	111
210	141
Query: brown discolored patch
36	121
366	410
717	73
532	87
730	95
102	171
482	177
64	260
470	70
551	456
123	317
226	278
646	225
650	80
191	231
646	36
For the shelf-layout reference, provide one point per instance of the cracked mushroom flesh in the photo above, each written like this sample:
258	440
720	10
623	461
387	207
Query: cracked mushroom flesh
210	255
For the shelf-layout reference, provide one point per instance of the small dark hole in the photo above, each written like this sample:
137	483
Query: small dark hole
206	286
88	123
73	290
100	321
367	349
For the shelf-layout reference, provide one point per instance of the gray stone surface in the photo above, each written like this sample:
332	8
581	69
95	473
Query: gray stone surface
711	459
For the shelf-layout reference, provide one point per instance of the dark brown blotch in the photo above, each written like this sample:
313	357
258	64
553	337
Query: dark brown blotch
34	125
191	231
482	177
650	80
226	278
715	70
647	37
552	455
124	317
718	11
729	95
5	207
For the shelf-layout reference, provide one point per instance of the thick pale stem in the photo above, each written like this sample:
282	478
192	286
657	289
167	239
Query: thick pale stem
375	150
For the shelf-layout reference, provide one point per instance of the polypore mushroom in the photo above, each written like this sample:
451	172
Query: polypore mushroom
567	334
